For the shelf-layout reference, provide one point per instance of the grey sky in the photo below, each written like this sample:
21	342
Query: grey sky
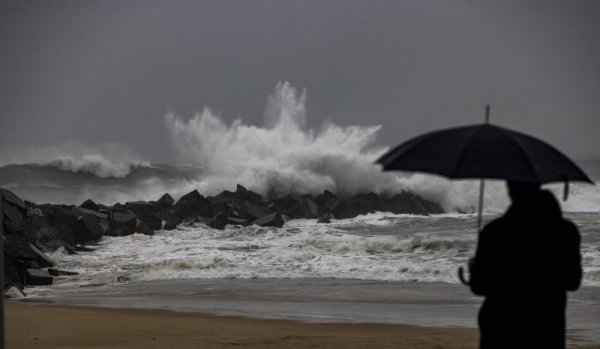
106	71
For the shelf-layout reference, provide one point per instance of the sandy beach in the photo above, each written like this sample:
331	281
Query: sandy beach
57	326
50	326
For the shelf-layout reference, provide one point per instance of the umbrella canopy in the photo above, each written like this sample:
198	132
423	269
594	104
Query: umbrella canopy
483	151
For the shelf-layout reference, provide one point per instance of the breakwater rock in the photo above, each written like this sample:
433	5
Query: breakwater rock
31	229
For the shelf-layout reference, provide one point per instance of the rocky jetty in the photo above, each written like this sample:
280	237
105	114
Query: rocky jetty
31	229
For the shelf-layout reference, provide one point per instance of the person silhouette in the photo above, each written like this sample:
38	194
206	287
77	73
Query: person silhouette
525	263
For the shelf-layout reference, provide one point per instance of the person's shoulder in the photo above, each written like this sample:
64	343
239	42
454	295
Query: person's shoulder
568	223
495	225
569	227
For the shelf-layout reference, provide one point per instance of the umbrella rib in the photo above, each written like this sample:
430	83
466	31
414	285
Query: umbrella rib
461	156
525	153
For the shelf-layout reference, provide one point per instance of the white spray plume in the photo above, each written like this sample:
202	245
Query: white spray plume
281	157
285	157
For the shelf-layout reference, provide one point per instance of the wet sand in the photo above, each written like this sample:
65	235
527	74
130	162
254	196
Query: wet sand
59	326
52	326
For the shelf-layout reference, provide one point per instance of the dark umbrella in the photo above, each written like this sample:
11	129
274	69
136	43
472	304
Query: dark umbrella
484	151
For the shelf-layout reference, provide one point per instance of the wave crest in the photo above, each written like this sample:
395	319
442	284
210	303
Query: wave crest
109	160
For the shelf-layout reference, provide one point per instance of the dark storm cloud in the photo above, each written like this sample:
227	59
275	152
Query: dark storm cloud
106	71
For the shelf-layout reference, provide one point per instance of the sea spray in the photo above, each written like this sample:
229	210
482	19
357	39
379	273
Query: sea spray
282	157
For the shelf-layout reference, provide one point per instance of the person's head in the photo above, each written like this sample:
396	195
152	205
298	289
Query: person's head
518	190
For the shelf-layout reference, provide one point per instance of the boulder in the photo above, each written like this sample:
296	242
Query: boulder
64	216
237	221
118	207
309	207
41	261
172	221
33	211
358	205
255	197
56	272
87	229
19	248
410	203
166	201
255	211
48	211
188	204
224	196
218	221
244	194
143	228
80	211
122	223
273	219
195	219
10	197
238	208
14	271
241	191
42	234
291	206
326	200
90	205
147	213
67	237
70	249
104	225
13	218
36	277
222	208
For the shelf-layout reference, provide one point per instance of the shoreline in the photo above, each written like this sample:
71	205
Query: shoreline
67	326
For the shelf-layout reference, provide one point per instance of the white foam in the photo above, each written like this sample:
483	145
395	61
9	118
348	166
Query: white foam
373	247
322	251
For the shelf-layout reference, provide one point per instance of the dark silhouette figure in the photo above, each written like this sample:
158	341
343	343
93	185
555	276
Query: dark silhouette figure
525	263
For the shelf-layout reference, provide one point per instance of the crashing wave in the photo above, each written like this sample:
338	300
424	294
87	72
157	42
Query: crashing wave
103	160
283	156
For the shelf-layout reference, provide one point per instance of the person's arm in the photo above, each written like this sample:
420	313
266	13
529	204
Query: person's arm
479	265
572	256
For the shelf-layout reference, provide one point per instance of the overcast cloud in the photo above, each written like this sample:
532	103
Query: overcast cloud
108	71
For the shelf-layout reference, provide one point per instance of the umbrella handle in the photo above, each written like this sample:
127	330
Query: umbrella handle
461	276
